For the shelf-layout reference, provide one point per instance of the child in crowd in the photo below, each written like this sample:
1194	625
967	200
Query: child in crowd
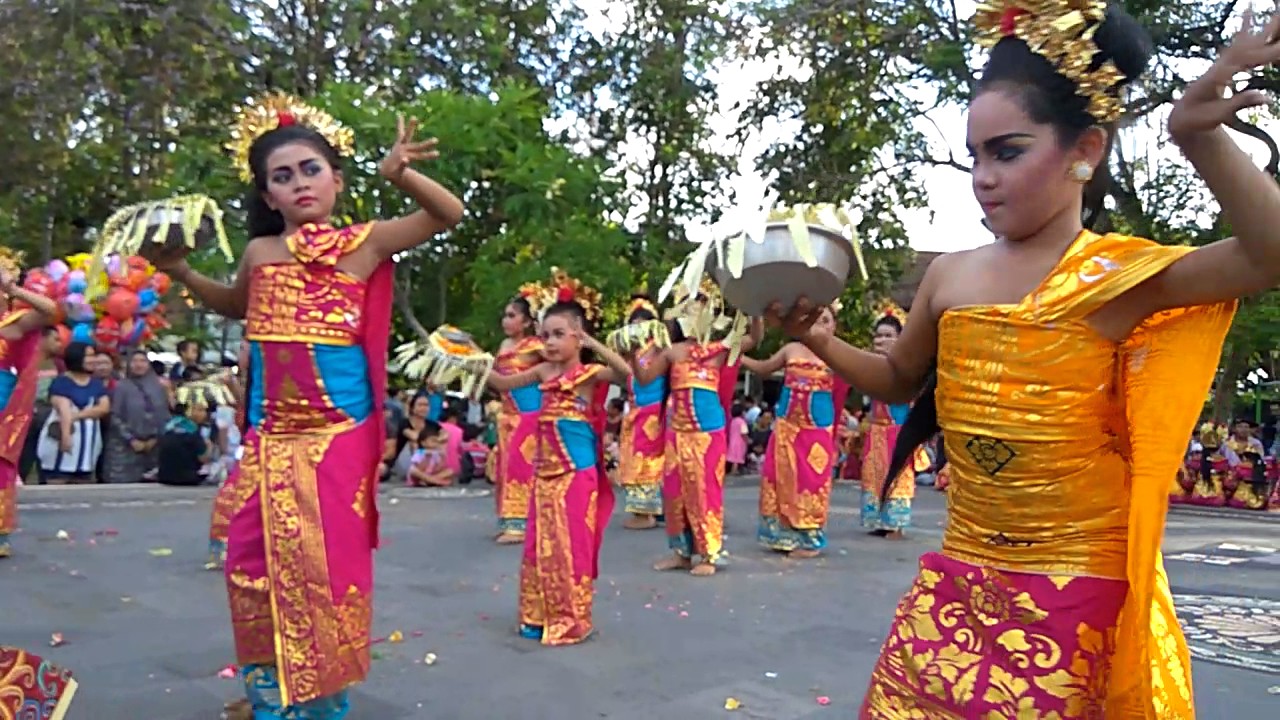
429	466
475	454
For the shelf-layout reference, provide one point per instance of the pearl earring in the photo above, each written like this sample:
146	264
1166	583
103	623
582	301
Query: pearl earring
1082	172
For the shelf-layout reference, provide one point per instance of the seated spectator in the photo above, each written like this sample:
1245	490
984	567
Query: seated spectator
475	454
429	466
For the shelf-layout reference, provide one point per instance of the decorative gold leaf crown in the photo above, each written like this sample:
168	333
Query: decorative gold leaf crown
279	110
1060	31
11	262
888	308
562	288
1211	433
642	303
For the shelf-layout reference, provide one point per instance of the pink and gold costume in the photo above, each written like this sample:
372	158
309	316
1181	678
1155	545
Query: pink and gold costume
19	372
571	506
883	424
1049	597
643	445
799	464
693	487
303	522
517	437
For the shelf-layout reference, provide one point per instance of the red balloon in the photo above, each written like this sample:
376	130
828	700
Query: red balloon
137	262
135	279
107	334
161	282
40	283
121	304
64	336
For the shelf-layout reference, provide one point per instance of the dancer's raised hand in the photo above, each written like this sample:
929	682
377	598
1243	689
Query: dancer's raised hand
406	150
1205	106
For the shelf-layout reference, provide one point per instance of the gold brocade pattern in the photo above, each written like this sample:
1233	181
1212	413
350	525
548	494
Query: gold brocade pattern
317	652
288	304
1064	443
8	509
996	646
522	356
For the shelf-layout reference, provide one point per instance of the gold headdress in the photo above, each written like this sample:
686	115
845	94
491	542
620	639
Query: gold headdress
448	354
280	110
887	308
563	288
11	262
1060	31
1212	435
186	220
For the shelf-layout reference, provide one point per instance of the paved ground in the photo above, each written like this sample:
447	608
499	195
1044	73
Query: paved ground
147	631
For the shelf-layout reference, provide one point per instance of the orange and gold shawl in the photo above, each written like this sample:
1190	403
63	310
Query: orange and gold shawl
1062	444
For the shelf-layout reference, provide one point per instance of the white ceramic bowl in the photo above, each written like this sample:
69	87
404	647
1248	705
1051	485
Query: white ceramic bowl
772	270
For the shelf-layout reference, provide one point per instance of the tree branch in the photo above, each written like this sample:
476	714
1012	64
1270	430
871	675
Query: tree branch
401	292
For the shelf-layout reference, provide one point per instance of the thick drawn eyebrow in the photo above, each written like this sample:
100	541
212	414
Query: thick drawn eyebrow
999	140
308	161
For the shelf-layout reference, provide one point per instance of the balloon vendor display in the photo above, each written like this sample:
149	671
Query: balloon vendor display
128	311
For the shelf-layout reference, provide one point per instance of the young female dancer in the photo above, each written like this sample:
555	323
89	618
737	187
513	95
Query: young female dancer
518	420
1071	369
643	437
799	463
572	498
317	305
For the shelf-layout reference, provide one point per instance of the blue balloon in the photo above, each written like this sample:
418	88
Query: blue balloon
83	332
147	300
77	285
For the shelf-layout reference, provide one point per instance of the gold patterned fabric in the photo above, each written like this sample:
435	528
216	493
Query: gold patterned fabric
1061	444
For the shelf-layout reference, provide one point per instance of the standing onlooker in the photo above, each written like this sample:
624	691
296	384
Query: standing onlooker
751	411
188	356
71	439
739	435
139	412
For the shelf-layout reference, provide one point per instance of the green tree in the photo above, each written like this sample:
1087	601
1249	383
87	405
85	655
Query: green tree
873	72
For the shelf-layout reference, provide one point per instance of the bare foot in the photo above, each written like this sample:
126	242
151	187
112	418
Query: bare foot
509	539
703	570
640	522
894	535
803	554
674	562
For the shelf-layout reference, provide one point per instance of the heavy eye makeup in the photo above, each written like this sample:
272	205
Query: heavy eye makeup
1002	148
308	168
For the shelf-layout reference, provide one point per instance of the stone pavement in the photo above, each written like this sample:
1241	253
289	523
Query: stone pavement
146	630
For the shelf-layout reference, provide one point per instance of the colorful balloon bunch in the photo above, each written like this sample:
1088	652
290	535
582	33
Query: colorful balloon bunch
127	314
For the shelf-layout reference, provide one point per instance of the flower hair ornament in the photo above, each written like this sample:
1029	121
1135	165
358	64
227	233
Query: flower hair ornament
446	356
1060	31
279	110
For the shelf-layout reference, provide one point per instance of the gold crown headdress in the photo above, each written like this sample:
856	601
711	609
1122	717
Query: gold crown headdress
641	302
1060	31
11	262
279	110
887	308
192	221
447	355
1212	435
563	288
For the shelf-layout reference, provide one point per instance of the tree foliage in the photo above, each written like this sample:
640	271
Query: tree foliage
872	73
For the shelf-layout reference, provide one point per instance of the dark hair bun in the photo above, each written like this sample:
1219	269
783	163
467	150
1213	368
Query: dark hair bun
1122	40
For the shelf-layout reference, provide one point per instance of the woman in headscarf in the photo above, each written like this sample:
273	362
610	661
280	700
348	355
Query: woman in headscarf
139	411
